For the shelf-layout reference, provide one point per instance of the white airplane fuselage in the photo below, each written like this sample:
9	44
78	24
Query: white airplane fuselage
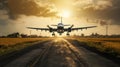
60	28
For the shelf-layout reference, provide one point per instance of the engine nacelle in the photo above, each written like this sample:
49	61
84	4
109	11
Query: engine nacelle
69	29
67	34
51	30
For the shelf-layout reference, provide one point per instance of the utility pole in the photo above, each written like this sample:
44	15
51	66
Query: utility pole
30	33
40	34
106	29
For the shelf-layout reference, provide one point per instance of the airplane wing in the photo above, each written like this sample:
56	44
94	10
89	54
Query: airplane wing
80	28
46	29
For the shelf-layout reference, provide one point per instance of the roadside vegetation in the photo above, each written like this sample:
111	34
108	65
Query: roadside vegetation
106	46
8	45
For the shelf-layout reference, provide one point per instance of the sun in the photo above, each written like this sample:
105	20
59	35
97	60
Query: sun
65	13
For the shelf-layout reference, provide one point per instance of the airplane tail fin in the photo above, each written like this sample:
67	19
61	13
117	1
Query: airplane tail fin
61	20
62	23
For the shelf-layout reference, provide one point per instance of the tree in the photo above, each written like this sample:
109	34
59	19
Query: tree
13	35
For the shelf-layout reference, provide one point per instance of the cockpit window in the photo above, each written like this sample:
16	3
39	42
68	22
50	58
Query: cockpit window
60	24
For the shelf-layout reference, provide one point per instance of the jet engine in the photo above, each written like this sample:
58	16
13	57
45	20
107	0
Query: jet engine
69	29
51	29
67	34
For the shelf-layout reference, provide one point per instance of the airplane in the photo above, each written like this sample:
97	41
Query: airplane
60	28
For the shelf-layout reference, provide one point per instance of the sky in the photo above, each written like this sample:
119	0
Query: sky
16	15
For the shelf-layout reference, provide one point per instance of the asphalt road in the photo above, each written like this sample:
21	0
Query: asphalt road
59	53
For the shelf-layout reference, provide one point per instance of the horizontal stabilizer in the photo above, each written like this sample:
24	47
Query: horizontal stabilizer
53	25
67	25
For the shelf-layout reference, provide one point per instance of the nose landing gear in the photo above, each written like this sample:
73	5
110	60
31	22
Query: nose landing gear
67	34
53	34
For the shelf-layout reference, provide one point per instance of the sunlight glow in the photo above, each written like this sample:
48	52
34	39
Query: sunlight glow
65	14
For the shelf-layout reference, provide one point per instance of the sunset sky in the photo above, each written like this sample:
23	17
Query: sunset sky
16	15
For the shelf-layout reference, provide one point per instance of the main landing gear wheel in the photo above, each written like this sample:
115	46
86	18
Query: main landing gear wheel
68	34
53	34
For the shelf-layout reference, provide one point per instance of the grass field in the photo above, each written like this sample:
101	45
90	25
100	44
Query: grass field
8	45
109	46
13	41
105	45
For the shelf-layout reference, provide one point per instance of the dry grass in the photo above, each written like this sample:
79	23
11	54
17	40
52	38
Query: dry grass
8	45
113	43
100	39
13	41
106	45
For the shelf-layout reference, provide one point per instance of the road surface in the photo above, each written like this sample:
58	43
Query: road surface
57	53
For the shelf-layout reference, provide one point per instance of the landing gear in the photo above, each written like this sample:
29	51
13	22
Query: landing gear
67	34
53	34
60	34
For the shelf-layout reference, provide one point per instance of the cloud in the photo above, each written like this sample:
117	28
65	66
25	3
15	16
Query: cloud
92	9
99	10
26	7
62	4
94	4
3	17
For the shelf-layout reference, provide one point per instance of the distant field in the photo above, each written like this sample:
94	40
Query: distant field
8	45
